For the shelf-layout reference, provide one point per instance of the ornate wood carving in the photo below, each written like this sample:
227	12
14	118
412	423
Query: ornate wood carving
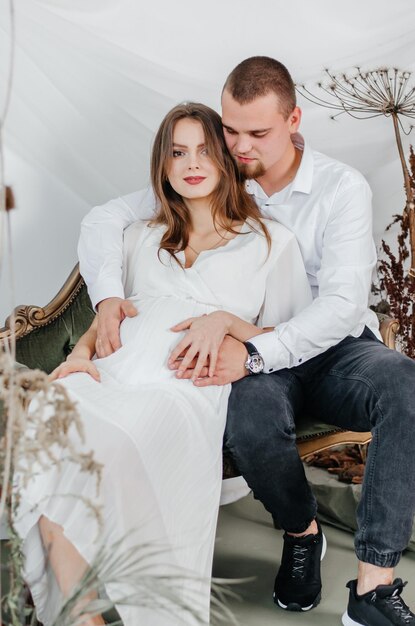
29	317
389	328
321	442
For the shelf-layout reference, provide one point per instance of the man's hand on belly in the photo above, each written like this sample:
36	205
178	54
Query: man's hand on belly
230	365
111	313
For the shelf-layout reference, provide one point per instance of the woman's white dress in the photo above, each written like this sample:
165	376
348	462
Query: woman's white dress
159	438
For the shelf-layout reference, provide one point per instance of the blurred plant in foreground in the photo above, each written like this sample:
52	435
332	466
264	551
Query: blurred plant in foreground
51	433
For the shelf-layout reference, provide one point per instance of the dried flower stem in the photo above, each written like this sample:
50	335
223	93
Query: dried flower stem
367	94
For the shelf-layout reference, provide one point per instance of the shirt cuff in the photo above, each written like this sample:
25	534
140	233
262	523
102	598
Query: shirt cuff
112	289
274	353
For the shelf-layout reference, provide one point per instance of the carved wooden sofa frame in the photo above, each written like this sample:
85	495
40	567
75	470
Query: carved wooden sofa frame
46	335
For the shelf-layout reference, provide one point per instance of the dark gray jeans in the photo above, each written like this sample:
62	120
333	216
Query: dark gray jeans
358	385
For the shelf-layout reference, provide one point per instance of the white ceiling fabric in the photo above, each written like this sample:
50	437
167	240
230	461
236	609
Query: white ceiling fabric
93	79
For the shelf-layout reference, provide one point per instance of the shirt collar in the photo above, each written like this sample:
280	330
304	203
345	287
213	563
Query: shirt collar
303	180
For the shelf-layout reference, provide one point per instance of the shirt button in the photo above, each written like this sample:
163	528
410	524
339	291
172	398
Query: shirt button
271	369
300	360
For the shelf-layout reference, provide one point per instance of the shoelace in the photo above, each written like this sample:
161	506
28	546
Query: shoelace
299	560
399	606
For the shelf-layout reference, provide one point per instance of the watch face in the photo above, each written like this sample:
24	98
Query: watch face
256	364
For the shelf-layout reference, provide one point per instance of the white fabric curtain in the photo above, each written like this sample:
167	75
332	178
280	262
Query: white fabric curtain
93	79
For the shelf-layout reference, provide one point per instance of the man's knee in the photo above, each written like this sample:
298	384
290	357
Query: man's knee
393	375
390	382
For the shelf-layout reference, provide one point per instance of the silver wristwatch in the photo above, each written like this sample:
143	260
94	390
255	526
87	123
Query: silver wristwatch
254	363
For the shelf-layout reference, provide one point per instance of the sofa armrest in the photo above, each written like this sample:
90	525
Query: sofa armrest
46	335
389	328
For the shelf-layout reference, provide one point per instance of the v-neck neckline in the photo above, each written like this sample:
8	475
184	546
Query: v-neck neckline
182	255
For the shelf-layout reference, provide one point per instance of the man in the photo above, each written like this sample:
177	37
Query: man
328	357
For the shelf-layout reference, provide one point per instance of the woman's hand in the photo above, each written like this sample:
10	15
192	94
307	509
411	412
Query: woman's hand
75	364
204	337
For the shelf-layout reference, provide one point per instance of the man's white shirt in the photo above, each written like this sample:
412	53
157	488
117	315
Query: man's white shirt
328	208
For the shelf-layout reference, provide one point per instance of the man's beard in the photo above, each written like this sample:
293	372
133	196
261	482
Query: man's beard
248	171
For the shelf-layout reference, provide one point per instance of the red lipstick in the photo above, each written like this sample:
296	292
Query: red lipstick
194	180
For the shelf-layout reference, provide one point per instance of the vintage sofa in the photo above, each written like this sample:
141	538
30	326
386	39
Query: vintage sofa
46	335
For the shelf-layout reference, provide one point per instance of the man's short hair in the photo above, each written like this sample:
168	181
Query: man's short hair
258	76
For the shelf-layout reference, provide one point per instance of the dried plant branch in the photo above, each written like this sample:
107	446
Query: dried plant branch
366	94
363	95
39	426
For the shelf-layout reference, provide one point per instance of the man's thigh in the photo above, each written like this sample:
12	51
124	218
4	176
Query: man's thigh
265	402
346	384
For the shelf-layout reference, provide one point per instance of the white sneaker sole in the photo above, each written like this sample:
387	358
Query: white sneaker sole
348	621
308	608
324	548
300	608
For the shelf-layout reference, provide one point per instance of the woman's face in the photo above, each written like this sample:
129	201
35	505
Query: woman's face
191	173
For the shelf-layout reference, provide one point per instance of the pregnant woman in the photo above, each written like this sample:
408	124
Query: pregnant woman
208	258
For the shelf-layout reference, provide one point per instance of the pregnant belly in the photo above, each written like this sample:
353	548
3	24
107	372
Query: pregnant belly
147	340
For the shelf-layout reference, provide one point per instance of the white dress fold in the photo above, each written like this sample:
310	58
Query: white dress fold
159	438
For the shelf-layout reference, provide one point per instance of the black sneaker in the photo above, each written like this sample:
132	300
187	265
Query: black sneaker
298	582
381	607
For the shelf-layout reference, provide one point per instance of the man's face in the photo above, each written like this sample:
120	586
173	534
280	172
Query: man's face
257	134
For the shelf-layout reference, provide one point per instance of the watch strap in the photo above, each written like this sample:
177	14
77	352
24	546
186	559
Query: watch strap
250	348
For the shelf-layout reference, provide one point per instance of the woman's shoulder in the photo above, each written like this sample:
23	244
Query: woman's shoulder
282	240
277	231
279	234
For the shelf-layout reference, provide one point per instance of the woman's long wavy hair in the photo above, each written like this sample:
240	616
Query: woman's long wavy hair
230	201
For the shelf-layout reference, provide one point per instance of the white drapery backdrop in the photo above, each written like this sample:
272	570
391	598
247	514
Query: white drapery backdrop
93	78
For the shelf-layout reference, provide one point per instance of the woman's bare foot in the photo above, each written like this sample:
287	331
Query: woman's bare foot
93	621
67	565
